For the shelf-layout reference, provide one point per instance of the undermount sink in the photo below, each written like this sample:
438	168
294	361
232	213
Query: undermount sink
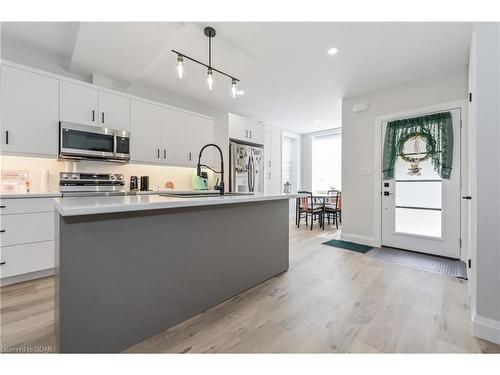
201	195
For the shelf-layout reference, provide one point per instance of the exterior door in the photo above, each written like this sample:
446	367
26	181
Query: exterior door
422	213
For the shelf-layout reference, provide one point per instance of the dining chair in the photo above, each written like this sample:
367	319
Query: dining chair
333	208
306	207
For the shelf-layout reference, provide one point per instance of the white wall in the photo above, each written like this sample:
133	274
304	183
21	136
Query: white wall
485	168
358	147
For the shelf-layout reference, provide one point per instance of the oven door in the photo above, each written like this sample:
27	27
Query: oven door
76	140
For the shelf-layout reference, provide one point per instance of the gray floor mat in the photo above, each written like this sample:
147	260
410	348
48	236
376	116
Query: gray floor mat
449	267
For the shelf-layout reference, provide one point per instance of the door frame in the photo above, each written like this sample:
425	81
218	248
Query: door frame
377	167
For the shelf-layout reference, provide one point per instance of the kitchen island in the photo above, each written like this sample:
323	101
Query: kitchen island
129	267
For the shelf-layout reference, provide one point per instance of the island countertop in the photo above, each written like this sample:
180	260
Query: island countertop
75	206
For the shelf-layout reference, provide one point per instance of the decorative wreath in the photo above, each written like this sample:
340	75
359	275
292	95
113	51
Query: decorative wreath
430	148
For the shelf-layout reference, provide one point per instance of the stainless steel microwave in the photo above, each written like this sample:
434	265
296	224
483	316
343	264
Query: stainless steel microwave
77	141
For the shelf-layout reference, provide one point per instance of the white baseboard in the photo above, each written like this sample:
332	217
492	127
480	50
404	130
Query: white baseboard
364	240
486	328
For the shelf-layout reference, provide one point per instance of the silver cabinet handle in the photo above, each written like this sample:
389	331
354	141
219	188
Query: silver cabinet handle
2	263
3	206
246	133
190	157
250	134
102	117
2	230
93	116
158	153
6	137
164	153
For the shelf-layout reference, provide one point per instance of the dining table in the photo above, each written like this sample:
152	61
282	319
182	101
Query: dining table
318	197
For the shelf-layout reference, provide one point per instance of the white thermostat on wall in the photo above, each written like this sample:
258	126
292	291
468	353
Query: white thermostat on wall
360	107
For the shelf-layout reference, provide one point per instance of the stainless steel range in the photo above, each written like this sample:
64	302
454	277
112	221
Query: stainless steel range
82	183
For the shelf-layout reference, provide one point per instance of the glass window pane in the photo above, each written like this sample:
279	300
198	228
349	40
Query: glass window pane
326	161
418	194
426	173
420	222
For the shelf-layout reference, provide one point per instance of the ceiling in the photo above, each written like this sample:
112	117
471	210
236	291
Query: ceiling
288	78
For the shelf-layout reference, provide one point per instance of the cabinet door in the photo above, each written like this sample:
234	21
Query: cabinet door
29	113
200	133
174	136
268	154
114	111
237	128
78	104
256	132
145	132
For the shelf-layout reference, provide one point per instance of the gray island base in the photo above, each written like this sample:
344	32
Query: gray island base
126	276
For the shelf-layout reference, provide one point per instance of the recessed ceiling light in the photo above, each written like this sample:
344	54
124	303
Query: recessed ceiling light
332	51
240	92
316	121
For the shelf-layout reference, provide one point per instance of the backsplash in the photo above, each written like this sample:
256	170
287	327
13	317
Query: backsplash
158	174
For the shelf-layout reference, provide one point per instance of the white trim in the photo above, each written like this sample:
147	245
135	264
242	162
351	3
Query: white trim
486	328
377	159
100	88
364	240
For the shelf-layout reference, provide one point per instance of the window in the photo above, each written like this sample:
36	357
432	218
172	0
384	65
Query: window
327	161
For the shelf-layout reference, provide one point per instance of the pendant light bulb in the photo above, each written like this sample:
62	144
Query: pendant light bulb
180	66
233	88
210	79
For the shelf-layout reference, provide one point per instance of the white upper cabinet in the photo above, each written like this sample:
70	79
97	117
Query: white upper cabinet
246	130
200	133
145	140
114	111
29	112
174	136
78	104
87	105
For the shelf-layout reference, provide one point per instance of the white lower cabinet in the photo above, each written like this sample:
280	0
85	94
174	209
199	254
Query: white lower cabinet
26	228
27	238
23	259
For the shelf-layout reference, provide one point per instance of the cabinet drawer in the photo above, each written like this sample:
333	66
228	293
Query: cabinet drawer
26	228
24	206
27	258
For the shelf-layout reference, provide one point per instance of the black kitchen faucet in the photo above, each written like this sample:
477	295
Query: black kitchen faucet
217	186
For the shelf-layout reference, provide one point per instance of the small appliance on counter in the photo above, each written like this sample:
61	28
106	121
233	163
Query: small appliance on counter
200	182
81	183
134	183
144	183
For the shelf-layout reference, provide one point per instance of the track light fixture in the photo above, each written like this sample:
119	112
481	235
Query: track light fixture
210	33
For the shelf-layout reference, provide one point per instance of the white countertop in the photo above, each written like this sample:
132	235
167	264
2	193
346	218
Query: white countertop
49	194
75	206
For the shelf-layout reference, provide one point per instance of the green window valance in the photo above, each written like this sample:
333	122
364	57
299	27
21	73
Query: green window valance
435	129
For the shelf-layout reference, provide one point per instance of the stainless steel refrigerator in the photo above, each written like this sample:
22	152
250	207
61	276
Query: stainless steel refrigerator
247	168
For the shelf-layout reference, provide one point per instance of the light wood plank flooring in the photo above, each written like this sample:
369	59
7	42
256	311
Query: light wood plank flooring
330	300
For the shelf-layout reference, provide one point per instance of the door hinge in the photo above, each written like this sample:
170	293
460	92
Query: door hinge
470	97
470	263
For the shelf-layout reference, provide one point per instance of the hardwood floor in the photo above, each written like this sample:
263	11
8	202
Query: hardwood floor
330	300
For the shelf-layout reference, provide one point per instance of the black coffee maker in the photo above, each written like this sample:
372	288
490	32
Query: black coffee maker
134	183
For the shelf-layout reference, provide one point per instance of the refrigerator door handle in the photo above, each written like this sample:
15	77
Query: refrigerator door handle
252	174
249	168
